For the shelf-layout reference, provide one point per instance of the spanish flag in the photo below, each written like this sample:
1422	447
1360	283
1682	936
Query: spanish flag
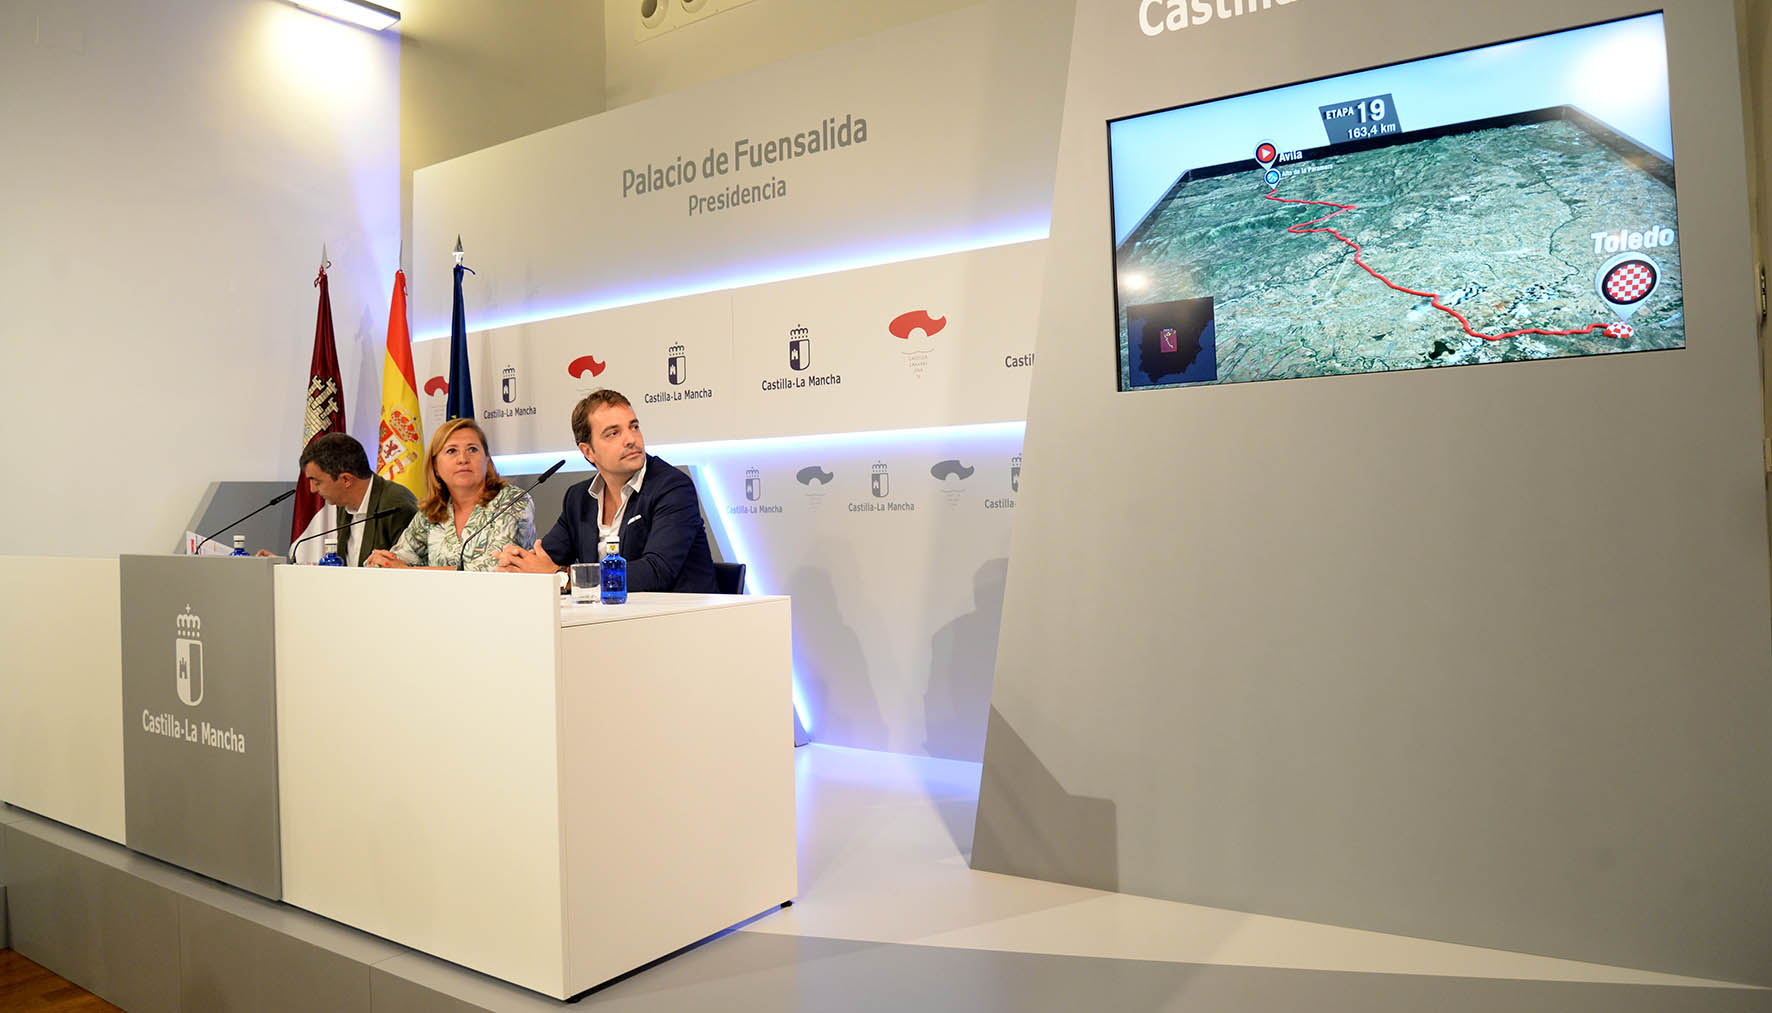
400	454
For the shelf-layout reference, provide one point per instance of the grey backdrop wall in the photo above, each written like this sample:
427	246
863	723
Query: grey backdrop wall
1475	654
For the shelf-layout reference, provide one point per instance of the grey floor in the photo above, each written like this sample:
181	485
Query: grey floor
890	917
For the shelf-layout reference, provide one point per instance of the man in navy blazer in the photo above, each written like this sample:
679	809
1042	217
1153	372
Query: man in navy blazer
653	510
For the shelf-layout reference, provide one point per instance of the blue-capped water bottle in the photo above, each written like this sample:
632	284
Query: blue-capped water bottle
239	546
331	558
615	574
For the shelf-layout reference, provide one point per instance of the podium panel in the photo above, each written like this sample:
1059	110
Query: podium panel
200	716
549	794
61	742
421	787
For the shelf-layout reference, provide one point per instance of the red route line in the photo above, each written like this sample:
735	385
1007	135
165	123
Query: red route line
1300	230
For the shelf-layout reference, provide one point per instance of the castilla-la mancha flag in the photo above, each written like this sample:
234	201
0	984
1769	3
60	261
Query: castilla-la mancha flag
325	404
400	453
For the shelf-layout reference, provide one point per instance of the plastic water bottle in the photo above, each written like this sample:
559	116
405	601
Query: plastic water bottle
332	558
615	574
239	546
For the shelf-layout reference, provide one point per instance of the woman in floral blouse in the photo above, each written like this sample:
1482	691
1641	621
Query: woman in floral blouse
464	493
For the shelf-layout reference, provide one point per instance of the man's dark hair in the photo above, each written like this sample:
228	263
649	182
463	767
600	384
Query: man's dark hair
337	454
581	414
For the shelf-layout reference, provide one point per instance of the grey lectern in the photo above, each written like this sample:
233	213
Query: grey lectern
200	716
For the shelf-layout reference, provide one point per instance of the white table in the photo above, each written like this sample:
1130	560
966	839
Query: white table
550	794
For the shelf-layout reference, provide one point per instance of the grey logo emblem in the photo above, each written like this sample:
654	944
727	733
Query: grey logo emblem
507	388
187	657
1015	473
951	468
880	484
799	348
815	479
753	484
950	473
677	366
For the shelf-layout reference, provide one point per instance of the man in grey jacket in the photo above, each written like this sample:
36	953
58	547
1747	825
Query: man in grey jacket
336	467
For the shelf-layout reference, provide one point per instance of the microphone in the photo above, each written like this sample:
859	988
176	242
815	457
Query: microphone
463	561
280	497
379	514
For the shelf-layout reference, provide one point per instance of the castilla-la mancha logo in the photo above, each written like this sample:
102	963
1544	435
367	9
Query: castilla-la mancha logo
676	365
187	656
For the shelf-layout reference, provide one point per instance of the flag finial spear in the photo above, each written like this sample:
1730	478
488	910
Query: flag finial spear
323	260
400	262
458	252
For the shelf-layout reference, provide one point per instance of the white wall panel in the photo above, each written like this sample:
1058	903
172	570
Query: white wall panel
940	211
966	361
896	596
545	221
172	172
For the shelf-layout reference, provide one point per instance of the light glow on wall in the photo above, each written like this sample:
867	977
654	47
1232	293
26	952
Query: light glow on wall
320	59
692	452
823	262
753	581
708	454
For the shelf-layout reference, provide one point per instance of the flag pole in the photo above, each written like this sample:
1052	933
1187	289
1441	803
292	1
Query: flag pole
461	389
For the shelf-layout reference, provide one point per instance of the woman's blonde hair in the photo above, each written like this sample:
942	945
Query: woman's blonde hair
436	504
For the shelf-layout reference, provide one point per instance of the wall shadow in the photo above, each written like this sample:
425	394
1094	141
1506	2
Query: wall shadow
962	660
1028	825
831	667
363	418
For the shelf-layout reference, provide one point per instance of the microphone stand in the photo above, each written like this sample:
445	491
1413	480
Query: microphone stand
486	525
379	514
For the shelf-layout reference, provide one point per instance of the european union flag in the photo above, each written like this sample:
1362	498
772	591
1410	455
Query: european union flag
461	384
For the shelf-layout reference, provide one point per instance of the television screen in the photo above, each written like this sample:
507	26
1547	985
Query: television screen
1510	202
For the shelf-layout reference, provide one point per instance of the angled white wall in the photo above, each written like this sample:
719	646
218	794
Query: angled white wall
1478	654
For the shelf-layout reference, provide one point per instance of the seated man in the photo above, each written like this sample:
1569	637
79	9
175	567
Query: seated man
336	467
652	508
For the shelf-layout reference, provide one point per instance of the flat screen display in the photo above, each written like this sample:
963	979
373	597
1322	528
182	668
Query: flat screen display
1506	203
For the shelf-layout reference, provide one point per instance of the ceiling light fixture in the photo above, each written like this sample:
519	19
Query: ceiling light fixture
372	16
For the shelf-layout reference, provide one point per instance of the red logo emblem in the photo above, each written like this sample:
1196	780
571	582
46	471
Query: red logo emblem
916	320
436	385
586	364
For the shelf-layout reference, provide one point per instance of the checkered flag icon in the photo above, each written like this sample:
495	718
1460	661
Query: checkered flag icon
1630	281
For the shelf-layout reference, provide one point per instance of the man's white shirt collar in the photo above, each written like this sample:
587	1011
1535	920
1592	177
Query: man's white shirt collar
631	486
